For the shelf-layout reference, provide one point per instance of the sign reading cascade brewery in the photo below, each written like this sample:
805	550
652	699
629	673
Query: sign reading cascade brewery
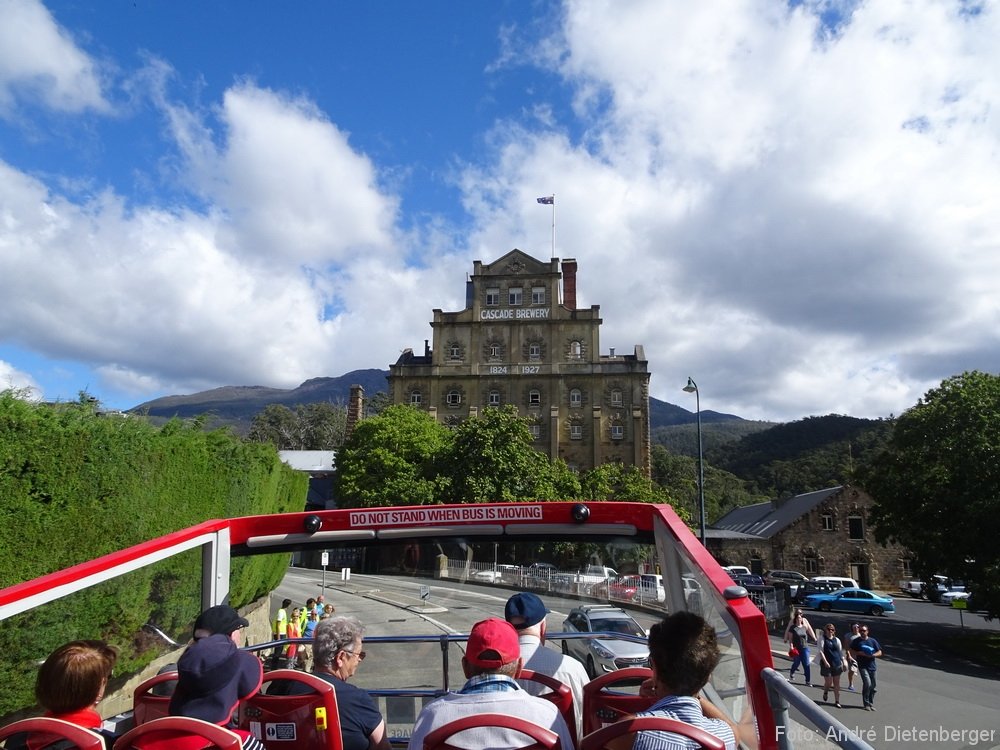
514	313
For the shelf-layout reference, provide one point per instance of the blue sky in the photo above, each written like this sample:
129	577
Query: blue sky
796	204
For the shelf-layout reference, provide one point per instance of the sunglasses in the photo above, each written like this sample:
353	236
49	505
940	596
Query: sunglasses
360	654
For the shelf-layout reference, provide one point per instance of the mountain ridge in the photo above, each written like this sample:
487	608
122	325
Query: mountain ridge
240	403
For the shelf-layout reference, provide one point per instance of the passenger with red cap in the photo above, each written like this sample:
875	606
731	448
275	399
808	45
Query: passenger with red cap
491	663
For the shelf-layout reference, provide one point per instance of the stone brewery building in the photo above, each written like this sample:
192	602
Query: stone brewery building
521	340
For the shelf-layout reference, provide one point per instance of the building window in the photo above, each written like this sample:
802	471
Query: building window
534	398
811	566
616	397
514	295
576	432
538	295
826	522
575	349
536	431
494	398
576	398
416	398
496	351
455	352
855	528
617	432
906	567
454	398
492	297
534	351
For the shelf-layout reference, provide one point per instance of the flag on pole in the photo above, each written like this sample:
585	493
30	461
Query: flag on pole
548	200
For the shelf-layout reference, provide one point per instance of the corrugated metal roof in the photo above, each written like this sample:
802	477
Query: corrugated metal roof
764	520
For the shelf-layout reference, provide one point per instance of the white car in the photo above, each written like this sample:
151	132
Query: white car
948	597
492	576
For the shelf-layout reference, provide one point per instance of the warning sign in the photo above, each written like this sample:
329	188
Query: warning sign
427	515
280	732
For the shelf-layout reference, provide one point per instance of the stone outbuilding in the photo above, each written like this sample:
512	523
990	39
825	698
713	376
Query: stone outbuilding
817	533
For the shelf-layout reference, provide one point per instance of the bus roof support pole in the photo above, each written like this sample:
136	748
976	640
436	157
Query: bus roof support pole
215	570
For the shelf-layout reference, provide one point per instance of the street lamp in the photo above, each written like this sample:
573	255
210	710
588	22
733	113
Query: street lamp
692	387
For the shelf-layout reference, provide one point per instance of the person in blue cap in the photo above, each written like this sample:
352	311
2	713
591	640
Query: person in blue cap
526	612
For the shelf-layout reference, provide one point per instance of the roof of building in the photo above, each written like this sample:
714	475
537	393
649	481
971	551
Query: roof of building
764	520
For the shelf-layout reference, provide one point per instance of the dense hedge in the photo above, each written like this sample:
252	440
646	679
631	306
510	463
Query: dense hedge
75	485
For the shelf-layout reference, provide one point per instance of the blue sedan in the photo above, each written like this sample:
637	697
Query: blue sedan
861	601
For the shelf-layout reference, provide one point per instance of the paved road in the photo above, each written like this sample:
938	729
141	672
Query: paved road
922	687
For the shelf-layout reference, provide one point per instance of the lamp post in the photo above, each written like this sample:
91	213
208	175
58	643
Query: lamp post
692	387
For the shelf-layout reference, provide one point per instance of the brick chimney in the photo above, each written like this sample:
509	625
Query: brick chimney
355	407
569	283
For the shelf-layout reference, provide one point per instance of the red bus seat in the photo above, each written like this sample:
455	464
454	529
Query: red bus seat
602	707
540	737
308	721
179	733
43	731
146	704
559	694
599	739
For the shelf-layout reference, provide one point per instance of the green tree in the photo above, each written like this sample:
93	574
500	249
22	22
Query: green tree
937	483
316	426
392	459
623	483
492	460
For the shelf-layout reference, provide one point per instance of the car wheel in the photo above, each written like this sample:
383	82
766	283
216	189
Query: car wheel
591	669
824	607
875	610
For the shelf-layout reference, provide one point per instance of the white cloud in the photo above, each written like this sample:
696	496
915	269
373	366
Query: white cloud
805	221
39	60
14	379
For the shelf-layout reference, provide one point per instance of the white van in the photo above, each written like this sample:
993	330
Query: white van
738	570
844	583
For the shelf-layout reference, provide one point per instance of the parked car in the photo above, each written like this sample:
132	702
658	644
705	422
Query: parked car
948	597
740	570
492	576
814	587
792	578
602	655
939	585
651	588
623	589
748	580
842	582
860	601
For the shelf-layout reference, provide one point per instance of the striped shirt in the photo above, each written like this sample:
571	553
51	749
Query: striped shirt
687	709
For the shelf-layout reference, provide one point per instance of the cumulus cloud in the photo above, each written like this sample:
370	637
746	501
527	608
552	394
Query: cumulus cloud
13	379
40	62
801	212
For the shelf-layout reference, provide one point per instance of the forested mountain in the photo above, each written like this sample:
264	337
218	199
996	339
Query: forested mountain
802	456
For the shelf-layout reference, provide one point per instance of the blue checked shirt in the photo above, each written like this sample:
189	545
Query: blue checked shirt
489	683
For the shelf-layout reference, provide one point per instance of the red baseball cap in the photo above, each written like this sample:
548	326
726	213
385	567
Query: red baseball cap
490	639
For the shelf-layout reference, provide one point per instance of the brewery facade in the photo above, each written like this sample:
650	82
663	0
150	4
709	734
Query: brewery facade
521	340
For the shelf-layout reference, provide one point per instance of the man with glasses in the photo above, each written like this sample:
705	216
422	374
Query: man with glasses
337	654
866	650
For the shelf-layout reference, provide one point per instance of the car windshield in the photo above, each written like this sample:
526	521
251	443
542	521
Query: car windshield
616	625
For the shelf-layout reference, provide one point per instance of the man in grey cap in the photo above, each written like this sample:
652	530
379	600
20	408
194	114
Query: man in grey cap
526	612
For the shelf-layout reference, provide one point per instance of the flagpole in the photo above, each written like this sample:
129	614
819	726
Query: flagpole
553	225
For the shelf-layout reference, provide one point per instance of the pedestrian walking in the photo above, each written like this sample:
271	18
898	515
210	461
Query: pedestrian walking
831	662
866	651
798	633
852	664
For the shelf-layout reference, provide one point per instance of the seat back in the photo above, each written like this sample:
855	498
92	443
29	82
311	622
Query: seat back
151	699
599	739
44	731
178	733
602	706
559	694
540	737
305	718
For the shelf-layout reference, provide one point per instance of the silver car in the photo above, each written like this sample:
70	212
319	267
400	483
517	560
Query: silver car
602	655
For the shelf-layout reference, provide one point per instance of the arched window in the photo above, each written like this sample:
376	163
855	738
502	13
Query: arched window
416	398
534	397
494	398
576	397
454	398
616	397
575	349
